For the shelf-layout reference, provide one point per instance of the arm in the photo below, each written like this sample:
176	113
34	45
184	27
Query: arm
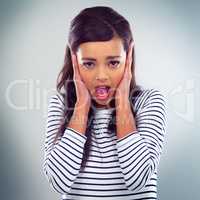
125	122
139	150
62	160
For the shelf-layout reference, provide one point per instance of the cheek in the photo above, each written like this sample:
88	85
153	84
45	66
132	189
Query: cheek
86	78
119	74
116	78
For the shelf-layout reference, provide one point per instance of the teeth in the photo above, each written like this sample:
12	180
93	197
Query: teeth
103	87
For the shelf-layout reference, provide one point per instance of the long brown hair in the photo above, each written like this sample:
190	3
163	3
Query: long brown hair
97	23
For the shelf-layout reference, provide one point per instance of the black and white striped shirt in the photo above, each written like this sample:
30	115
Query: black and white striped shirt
124	168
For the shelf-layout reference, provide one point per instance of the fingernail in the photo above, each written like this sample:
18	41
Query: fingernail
73	56
131	46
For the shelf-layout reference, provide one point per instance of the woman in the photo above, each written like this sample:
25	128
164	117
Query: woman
104	134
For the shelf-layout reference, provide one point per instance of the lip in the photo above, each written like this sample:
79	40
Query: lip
102	86
98	96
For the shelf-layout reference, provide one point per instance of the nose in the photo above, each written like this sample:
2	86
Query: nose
101	74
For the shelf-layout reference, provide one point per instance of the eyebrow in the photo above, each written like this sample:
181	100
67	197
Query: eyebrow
108	57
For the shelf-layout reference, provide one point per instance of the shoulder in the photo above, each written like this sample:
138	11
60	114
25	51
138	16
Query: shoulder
143	96
155	95
57	99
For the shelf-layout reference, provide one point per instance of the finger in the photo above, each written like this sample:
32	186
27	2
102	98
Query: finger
129	54
130	51
73	63
77	76
126	67
75	66
128	61
126	70
130	57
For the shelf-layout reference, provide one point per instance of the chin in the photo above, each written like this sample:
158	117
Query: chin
103	103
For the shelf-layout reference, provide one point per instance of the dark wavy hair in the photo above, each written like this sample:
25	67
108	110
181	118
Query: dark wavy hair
99	23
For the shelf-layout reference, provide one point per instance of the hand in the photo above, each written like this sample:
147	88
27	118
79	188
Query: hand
122	92
82	93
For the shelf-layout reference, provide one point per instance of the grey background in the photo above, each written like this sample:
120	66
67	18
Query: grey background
33	37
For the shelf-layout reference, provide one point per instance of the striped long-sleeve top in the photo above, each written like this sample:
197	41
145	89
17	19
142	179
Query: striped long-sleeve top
116	169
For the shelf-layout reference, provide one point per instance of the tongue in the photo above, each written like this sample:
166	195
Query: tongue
101	91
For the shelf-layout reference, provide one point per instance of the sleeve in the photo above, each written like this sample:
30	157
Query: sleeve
139	151
62	160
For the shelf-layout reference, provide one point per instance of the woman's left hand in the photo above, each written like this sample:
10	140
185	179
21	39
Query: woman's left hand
122	91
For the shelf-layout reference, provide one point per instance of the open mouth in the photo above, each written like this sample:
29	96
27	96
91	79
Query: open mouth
102	92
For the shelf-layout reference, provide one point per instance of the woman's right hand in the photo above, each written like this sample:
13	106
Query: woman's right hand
82	93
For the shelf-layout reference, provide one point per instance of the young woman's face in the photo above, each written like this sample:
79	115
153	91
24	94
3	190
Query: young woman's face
102	63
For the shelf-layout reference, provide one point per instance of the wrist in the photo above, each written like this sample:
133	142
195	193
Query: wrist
122	104
79	118
81	108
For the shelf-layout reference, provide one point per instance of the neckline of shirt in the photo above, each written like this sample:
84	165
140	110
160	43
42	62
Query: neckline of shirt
103	110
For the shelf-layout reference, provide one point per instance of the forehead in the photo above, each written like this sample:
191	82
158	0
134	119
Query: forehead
102	49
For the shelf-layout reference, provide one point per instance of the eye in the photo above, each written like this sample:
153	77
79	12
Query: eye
114	63
88	64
